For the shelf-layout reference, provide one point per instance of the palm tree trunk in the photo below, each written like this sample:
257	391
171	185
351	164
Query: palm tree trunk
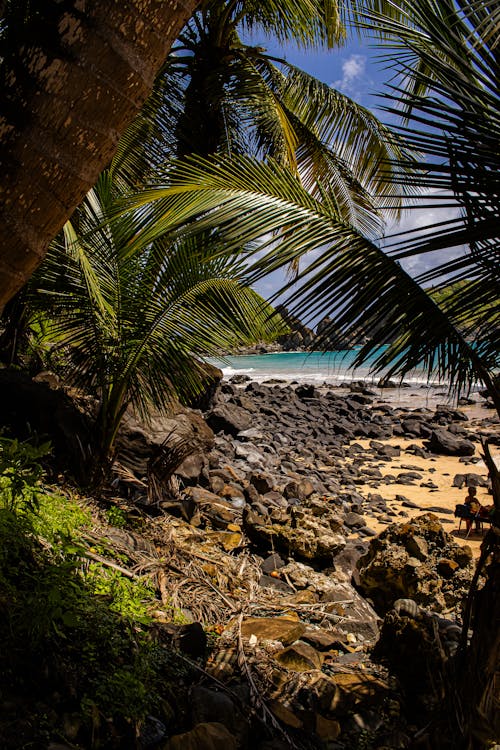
481	668
73	81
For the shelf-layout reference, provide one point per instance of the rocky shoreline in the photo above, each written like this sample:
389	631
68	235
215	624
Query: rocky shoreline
308	576
320	619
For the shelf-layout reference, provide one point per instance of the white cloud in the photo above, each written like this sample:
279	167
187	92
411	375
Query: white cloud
353	76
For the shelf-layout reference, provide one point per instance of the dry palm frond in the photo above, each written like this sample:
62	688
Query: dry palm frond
168	457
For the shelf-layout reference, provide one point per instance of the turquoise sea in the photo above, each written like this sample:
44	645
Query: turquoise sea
312	367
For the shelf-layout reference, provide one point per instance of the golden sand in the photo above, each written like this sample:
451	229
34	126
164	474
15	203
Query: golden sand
441	470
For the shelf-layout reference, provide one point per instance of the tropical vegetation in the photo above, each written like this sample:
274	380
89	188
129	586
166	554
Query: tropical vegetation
132	316
446	56
139	285
218	94
447	63
117	302
74	623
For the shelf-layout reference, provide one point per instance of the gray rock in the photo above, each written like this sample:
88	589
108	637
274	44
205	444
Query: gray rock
444	442
228	418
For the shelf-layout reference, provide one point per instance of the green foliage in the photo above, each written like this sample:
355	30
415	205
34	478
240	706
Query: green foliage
136	317
130	599
20	473
124	692
61	521
115	516
74	628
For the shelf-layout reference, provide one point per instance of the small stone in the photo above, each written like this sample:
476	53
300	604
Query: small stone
301	657
273	562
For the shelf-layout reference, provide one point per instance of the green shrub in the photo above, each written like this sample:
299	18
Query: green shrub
20	473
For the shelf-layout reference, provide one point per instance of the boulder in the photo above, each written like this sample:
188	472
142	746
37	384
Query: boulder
415	560
300	657
28	407
175	435
310	534
281	629
445	443
211	378
191	468
228	418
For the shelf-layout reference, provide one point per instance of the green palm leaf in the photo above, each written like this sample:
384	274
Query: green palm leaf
350	276
133	314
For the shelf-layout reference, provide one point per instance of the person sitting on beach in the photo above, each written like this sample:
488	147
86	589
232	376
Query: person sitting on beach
474	507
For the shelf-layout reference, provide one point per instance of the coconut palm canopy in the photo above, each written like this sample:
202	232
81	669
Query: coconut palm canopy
450	97
219	94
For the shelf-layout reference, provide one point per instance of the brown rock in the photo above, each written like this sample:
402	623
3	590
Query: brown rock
310	533
191	467
208	706
285	714
228	540
324	640
303	597
301	657
447	568
207	736
327	729
388	571
356	688
417	547
463	556
273	629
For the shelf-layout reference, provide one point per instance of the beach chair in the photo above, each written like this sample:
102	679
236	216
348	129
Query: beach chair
463	513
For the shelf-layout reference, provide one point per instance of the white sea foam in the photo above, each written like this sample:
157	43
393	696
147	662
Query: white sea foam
333	368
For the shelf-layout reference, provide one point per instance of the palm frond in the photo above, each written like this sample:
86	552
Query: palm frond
349	276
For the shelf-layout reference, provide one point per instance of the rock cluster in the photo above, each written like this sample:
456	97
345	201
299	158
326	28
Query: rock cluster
277	502
416	560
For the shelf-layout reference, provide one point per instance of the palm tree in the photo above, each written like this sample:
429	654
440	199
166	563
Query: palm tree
133	315
217	94
447	56
72	77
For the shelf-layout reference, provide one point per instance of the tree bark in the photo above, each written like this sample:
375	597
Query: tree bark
75	80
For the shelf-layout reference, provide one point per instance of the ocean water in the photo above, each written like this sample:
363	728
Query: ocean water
334	368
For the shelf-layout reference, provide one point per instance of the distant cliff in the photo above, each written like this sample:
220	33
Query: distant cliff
327	335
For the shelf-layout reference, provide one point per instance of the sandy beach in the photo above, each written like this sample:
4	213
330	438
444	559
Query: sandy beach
441	500
438	469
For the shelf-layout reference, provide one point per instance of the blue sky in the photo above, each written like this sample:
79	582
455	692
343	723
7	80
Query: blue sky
353	68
